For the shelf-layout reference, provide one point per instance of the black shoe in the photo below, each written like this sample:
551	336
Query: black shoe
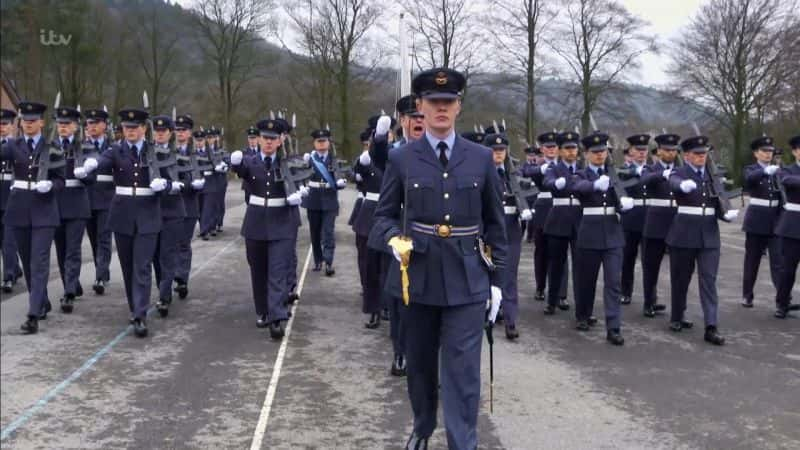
204	237
562	304
317	267
592	321
539	297
649	311
676	326
659	307
374	321
614	337
713	336
794	307
219	229
99	287
139	328
276	330
686	324
625	300
385	314
549	310
511	332
182	289
213	233
747	302
8	286
31	326
329	270
45	309
398	366
162	306
416	443
67	303
262	321
582	325
293	297
782	313
79	291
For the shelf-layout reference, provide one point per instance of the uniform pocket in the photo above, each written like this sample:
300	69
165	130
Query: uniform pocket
474	269
468	196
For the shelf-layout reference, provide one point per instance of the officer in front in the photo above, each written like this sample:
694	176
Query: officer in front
788	232
453	196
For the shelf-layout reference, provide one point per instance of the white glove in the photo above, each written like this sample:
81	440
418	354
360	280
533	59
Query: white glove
688	186
236	157
543	168
731	215
306	157
397	254
601	184
364	159
295	199
221	167
341	182
304	191
80	173
639	170
90	164
198	184
526	215
384	123
44	186
359	178
626	203
493	304
666	173
771	169
158	184
176	186
560	183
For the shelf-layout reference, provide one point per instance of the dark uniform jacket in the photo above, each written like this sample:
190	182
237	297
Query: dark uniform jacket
688	230
760	219
266	223
562	221
26	207
597	232
658	218
789	221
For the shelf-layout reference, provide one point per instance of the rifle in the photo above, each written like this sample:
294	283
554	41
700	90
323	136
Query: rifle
292	171
776	183
717	188
338	166
167	160
52	150
611	168
517	184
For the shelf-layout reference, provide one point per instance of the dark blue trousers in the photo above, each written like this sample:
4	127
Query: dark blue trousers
184	263
323	240
589	262
135	255
209	211
447	341
8	246
165	261
34	250
269	269
397	310
373	288
633	240
100	238
791	258
557	272
754	247
68	239
361	256
682	262
291	278
509	288
653	251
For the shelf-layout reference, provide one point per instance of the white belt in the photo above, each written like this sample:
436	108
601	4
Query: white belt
764	202
510	209
667	203
544	195
105	178
787	206
372	196
27	185
697	210
269	202
566	202
600	211
133	191
73	183
360	195
207	172
638	202
6	176
317	184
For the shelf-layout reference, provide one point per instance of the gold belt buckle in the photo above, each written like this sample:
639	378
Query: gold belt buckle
443	231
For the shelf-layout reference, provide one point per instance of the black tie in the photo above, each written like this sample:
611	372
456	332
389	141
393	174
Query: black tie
501	173
442	146
30	144
97	146
700	173
64	143
268	163
600	172
571	170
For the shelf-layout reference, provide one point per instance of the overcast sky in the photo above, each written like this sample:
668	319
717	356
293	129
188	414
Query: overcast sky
666	18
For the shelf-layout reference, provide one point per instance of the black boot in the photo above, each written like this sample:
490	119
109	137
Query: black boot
398	366
614	337
276	330
31	326
182	289
67	303
163	307
262	321
511	332
562	304
416	442
140	327
374	321
45	309
539	297
329	270
99	287
713	336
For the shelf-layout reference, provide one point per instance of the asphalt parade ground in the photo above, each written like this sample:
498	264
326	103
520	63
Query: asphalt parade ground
207	378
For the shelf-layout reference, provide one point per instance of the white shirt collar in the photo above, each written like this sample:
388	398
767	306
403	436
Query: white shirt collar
450	140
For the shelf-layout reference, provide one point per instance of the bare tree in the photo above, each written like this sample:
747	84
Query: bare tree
521	26
446	34
735	58
599	41
229	31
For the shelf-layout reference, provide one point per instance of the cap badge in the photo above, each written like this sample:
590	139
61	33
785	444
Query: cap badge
596	139
130	114
441	79
498	141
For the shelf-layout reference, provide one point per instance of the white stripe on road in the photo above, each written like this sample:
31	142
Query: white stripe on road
57	389
263	419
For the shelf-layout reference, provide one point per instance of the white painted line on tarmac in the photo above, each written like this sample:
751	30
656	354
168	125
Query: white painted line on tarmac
57	389
263	418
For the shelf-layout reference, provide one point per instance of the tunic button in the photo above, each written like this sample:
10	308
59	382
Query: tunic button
444	175
475	184
416	185
30	157
135	165
447	217
30	167
135	184
267	183
446	195
703	205
135	174
267	192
